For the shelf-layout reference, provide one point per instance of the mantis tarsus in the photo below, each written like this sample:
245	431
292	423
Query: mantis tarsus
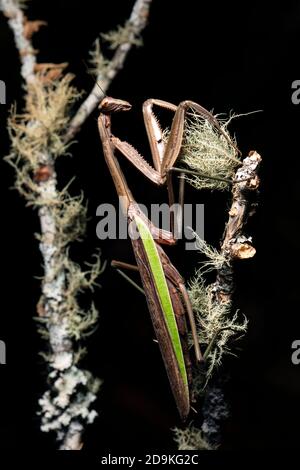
164	288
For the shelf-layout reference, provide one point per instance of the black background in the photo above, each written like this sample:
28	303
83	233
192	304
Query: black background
226	56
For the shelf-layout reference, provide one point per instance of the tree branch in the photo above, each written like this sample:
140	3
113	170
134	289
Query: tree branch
65	407
135	25
236	245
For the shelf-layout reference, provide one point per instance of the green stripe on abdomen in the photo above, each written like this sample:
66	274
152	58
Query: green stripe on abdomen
163	293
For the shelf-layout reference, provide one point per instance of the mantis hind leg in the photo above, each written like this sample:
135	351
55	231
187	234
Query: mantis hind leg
173	281
120	266
192	322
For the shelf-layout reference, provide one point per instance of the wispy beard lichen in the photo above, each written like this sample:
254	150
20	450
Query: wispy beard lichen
209	152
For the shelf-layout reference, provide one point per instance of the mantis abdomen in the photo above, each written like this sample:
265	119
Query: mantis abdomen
167	314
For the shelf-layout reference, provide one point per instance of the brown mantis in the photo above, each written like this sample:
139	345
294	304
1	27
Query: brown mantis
164	288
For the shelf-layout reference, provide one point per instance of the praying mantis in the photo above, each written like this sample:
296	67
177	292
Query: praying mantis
167	298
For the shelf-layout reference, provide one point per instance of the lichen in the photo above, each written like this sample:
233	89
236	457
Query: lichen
37	137
69	401
191	438
127	34
99	64
42	124
215	258
122	35
210	152
216	326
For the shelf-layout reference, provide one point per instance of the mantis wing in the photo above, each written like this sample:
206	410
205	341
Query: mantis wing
180	387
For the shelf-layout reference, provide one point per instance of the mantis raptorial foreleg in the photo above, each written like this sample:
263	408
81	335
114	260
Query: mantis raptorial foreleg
164	153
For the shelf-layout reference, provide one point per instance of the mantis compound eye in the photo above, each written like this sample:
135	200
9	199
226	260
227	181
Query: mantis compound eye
112	105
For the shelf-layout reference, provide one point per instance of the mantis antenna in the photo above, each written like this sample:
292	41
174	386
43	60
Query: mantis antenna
95	81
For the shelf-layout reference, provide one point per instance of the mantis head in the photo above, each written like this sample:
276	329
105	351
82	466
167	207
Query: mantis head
112	105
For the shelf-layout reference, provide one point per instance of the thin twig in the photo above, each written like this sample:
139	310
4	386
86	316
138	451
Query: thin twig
136	23
236	245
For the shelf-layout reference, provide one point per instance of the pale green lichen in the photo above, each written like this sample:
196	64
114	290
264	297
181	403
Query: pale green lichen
190	438
80	321
70	219
99	64
122	35
215	258
209	152
216	326
42	124
37	134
